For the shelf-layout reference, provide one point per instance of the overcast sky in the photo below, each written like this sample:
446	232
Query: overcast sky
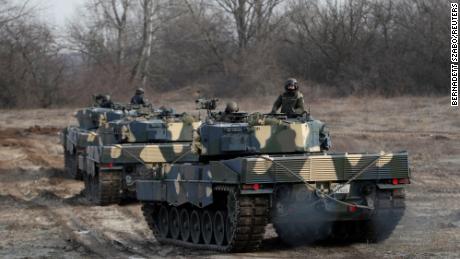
56	12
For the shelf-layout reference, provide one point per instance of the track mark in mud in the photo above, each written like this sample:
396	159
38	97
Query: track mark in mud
20	132
35	216
104	231
435	135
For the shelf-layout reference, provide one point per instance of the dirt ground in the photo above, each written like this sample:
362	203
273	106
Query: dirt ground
42	214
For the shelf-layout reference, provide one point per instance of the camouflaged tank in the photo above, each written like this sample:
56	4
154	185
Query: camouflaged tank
251	170
132	148
75	139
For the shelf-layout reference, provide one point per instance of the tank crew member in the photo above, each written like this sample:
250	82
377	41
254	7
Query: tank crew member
138	98
230	108
291	101
104	101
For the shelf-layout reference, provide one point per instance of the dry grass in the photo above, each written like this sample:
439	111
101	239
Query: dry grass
347	114
427	127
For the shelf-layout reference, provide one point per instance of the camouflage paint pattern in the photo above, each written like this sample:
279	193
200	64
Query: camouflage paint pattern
286	137
142	131
182	183
76	139
142	153
325	167
94	117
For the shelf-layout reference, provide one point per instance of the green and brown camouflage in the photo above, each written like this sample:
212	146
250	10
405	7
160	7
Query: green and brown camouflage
75	139
129	147
262	134
148	130
94	117
111	148
89	120
145	153
255	169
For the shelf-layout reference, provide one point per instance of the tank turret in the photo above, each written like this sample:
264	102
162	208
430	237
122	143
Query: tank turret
159	126
263	134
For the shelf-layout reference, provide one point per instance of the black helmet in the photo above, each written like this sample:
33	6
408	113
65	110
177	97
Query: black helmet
291	82
140	91
98	97
231	107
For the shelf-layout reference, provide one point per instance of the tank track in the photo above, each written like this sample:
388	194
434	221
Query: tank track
103	188
250	216
71	166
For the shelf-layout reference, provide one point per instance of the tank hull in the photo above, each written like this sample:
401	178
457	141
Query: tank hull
301	190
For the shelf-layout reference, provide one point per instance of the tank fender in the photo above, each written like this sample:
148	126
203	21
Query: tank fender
225	171
257	192
382	186
188	184
180	184
150	190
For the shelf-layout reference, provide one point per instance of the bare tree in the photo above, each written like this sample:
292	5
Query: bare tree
10	12
31	67
116	13
142	65
252	18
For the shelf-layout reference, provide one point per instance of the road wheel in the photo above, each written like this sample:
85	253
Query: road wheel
206	227
174	223
219	228
195	224
163	219
184	224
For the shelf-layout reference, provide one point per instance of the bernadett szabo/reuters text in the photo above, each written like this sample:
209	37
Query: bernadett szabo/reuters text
454	54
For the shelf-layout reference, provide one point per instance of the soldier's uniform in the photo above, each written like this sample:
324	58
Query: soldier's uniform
138	98
291	101
104	101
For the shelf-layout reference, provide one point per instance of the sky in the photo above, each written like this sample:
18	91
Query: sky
56	12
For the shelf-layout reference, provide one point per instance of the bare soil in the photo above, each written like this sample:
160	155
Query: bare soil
42	214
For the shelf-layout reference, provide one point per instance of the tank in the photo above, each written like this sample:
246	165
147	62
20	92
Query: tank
132	149
256	169
76	138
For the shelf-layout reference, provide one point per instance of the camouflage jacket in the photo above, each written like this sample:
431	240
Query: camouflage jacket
107	104
290	103
138	99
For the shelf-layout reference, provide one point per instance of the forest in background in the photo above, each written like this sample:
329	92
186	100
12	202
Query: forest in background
224	48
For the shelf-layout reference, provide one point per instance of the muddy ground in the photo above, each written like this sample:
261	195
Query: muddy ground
42	214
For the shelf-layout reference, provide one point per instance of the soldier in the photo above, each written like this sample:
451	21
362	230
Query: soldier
138	98
230	108
107	102
291	101
104	101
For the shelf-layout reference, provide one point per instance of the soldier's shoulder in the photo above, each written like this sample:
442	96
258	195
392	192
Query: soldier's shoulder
299	95
285	94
